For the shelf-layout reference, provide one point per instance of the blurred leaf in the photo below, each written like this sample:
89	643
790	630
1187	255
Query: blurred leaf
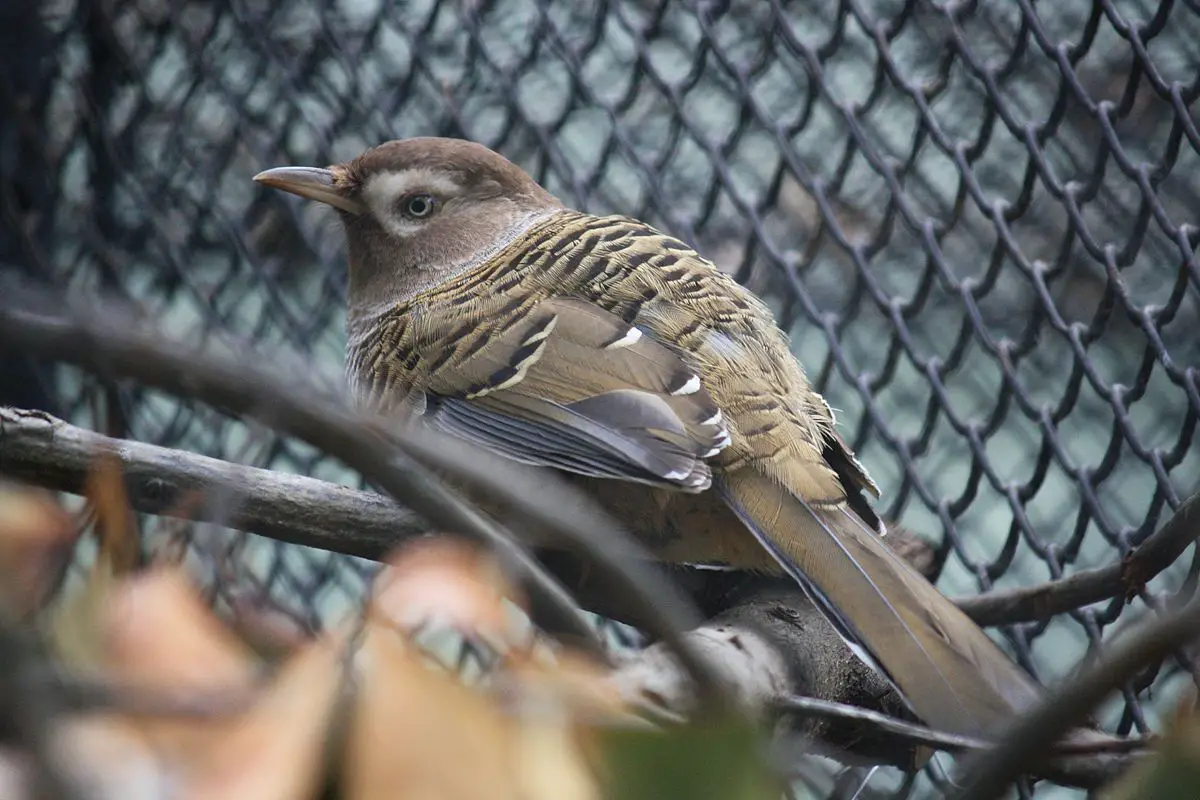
557	702
268	631
276	749
115	521
75	623
549	763
711	761
37	540
571	684
444	581
110	756
159	633
1172	771
421	734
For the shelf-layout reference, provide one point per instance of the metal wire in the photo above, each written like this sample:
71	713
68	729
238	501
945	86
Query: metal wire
978	220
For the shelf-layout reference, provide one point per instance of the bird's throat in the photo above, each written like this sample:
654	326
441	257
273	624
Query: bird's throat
377	291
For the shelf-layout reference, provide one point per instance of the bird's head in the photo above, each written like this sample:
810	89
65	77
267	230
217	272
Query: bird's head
419	211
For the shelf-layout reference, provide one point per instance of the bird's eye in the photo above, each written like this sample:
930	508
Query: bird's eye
419	206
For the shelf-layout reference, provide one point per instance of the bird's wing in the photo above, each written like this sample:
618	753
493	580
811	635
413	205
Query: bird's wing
798	489
566	384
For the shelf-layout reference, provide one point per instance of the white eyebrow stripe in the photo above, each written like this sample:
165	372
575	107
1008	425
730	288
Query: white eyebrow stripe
380	191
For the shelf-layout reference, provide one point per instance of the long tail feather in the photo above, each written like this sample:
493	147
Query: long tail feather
952	675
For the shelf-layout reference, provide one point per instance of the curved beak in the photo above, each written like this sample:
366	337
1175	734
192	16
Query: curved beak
314	183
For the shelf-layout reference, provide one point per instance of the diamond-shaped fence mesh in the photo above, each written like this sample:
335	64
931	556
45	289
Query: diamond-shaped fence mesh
978	220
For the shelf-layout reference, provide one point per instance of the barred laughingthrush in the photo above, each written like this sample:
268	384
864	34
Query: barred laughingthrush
617	354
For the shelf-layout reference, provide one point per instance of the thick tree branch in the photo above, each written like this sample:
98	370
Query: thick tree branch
772	643
779	653
53	454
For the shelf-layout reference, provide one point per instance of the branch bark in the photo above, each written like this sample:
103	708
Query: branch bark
45	451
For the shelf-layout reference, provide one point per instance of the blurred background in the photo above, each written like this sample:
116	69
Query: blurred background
979	222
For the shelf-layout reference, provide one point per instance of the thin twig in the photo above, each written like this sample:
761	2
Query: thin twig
1044	600
84	338
931	737
1031	737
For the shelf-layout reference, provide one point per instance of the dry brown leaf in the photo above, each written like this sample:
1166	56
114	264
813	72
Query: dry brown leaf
275	750
116	525
159	636
445	581
417	733
269	631
76	622
571	684
37	540
159	633
156	635
557	704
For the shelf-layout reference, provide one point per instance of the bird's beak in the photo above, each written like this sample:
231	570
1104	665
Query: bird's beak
313	183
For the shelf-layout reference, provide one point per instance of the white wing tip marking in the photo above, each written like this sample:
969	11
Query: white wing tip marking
677	474
715	419
543	332
631	337
517	376
690	386
714	451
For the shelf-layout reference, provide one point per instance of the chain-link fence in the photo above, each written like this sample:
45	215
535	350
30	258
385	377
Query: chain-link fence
978	220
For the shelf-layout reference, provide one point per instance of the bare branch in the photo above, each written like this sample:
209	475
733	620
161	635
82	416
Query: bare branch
1032	736
1124	578
920	734
53	454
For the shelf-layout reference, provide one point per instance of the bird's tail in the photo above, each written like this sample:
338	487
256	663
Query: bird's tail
953	676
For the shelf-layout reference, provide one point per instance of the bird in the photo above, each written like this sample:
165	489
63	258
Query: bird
616	354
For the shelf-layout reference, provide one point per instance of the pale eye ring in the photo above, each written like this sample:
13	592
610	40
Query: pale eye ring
419	206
